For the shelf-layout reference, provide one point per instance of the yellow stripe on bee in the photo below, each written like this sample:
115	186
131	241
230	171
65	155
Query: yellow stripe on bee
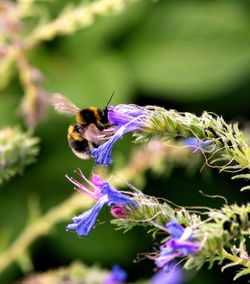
70	129
74	135
80	119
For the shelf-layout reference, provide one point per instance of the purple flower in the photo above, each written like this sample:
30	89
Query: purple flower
196	143
173	275
180	244
83	223
126	115
175	229
101	191
124	118
117	276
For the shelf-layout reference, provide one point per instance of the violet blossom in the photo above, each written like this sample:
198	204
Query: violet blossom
124	118
180	244
101	191
196	143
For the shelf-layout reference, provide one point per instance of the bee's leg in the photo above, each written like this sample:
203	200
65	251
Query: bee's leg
93	134
107	131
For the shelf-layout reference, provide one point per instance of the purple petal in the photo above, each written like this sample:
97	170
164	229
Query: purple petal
103	154
196	143
162	260
185	247
175	229
83	223
128	110
115	197
116	118
178	245
126	115
97	180
173	275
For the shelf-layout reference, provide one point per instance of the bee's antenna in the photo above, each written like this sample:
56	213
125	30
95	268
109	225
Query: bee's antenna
110	99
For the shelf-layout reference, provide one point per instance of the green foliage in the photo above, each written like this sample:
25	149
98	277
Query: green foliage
190	49
17	150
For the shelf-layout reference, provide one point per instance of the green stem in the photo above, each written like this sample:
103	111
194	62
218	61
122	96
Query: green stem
237	260
43	226
72	19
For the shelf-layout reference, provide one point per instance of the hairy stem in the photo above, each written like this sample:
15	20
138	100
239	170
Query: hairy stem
42	227
236	259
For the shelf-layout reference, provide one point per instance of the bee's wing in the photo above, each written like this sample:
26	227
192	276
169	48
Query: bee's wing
63	105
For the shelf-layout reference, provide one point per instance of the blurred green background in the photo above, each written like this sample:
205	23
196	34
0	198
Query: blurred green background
187	55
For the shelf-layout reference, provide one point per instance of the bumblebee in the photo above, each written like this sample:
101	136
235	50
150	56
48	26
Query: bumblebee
91	127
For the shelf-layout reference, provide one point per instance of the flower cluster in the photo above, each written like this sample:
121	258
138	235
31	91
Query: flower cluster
104	194
124	118
180	244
